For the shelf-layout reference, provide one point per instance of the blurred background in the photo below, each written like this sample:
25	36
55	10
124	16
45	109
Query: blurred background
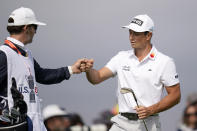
92	29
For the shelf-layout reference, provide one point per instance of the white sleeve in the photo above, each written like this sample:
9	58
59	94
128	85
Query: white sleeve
169	76
112	64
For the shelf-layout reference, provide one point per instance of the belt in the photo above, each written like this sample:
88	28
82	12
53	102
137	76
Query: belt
132	116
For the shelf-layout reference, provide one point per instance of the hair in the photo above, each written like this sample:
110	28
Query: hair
14	30
146	32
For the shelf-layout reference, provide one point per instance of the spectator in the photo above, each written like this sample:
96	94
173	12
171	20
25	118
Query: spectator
55	118
189	121
192	98
77	123
104	118
75	119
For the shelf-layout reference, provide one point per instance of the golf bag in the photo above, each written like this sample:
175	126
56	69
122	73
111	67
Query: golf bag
16	118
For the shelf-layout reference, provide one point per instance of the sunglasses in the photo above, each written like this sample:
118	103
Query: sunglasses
34	26
191	114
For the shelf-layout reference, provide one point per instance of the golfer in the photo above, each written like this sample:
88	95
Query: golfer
16	61
147	72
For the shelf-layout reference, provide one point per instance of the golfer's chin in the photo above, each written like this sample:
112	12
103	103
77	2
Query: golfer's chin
133	45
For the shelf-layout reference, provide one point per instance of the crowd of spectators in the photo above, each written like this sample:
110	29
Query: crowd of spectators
58	119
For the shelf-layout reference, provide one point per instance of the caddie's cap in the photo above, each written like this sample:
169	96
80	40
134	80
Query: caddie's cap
141	23
23	16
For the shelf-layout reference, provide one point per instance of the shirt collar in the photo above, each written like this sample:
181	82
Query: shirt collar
17	42
151	55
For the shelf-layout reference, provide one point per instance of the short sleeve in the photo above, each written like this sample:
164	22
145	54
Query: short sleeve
112	64
170	76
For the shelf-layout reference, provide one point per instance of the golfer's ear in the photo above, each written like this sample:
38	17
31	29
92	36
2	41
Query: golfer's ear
149	36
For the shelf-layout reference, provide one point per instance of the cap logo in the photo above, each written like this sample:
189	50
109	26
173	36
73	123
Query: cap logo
137	21
10	20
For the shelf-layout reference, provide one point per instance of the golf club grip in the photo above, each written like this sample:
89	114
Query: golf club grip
138	107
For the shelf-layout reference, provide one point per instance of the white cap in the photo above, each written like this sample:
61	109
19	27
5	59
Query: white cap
52	110
141	23
24	16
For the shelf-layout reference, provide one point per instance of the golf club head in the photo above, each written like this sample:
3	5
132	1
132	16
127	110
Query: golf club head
5	113
14	113
5	119
126	90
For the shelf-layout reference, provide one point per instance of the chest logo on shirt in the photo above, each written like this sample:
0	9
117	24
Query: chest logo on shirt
126	68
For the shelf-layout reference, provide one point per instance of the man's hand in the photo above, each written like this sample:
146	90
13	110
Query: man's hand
143	112
76	66
86	65
89	65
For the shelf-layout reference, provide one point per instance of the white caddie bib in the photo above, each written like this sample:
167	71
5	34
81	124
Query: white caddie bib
22	69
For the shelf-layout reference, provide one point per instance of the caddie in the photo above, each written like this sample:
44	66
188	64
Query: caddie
16	61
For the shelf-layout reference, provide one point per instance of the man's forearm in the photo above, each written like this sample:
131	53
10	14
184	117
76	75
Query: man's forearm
93	76
167	102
